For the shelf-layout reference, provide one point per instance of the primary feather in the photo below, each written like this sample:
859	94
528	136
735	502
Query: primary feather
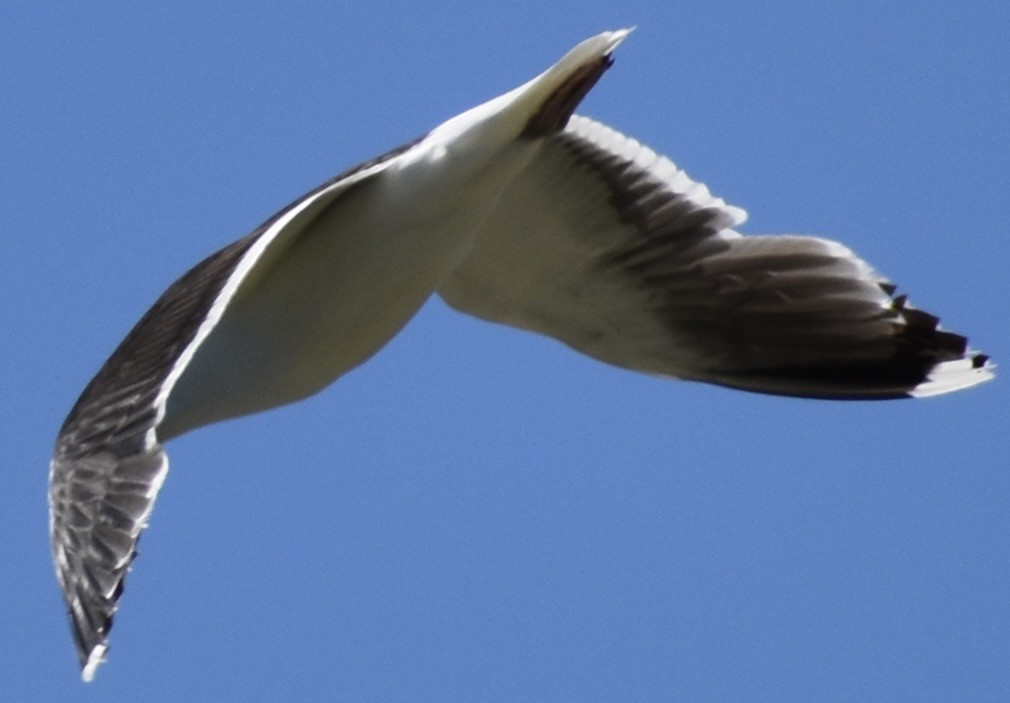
515	211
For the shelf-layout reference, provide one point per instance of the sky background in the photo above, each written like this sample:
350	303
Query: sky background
480	514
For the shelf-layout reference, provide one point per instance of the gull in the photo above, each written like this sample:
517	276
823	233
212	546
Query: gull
517	211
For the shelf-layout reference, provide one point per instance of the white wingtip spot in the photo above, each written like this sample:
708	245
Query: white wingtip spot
96	657
956	375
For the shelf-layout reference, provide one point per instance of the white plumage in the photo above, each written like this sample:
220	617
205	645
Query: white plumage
518	212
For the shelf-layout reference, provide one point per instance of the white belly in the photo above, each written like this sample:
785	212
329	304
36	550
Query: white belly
338	292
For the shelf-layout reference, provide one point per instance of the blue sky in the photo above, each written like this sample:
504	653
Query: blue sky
478	513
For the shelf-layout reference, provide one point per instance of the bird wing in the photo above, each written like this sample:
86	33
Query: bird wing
108	464
611	249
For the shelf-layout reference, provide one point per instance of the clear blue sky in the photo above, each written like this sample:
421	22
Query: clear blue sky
480	514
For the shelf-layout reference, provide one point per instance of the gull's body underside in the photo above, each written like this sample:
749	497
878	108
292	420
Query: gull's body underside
515	211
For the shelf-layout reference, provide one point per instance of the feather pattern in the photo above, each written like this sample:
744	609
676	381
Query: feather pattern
610	248
515	211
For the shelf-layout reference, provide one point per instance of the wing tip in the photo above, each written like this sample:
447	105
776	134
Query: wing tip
569	81
94	659
973	369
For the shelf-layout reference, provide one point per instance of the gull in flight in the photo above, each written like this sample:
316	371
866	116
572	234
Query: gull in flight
517	211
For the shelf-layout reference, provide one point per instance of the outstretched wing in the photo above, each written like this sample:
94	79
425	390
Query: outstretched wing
613	250
108	463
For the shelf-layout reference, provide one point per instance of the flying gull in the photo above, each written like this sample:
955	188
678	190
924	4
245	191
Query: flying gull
516	211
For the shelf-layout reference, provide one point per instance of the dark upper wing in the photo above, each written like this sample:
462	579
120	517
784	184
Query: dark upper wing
108	463
611	249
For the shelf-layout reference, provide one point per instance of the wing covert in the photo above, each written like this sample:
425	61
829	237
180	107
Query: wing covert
614	251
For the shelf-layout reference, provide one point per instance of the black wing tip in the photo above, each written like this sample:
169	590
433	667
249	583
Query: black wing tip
91	640
926	361
91	615
863	381
947	362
